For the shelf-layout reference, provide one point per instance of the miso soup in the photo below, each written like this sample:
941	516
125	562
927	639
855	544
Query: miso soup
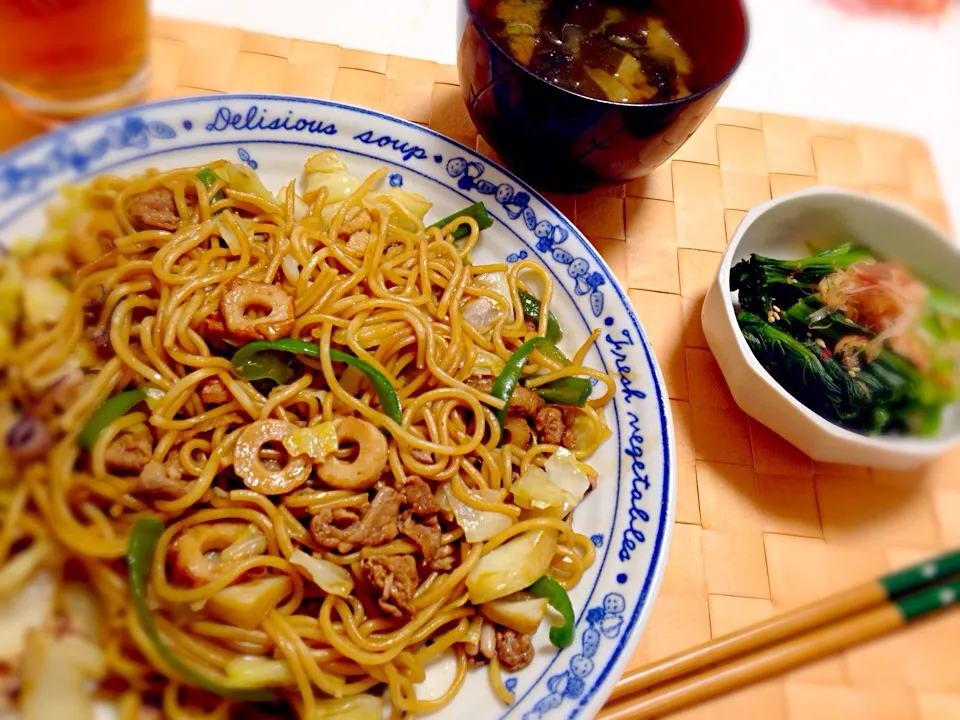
619	51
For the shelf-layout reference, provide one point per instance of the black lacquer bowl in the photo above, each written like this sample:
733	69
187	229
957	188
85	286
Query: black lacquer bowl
564	142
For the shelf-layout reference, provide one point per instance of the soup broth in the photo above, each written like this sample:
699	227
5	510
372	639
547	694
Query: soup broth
619	51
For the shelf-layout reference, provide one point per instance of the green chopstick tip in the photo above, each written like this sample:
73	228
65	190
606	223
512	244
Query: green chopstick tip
930	571
930	599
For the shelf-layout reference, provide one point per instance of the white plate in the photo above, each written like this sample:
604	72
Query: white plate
630	515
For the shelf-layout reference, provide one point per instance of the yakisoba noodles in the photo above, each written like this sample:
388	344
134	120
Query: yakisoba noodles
270	452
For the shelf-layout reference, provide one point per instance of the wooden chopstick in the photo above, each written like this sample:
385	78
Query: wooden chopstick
797	637
755	666
752	638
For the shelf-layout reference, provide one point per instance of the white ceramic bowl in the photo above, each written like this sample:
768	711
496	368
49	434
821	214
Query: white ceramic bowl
781	228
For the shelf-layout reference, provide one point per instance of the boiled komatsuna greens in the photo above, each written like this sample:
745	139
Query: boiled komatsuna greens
861	341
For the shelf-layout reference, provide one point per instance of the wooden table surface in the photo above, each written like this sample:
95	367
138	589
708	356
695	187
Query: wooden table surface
760	527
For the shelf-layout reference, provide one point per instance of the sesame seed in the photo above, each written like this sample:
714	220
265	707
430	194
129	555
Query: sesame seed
776	309
776	315
852	373
821	343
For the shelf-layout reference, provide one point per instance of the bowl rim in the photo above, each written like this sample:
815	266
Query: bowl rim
693	97
920	447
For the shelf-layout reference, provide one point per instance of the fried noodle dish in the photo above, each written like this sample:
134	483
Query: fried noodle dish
274	454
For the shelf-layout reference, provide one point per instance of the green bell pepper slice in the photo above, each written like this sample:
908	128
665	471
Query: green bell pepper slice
143	543
546	587
260	361
113	407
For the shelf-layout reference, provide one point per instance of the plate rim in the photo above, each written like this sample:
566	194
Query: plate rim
601	687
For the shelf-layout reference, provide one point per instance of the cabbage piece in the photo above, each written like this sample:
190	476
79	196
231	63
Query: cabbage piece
481	313
247	604
300	208
439	674
565	472
242	178
557	488
83	608
29	608
487	364
251	544
512	567
497	282
327	170
55	675
84	654
414	203
316	442
477	525
589	434
329	577
44	300
534	491
251	671
523	614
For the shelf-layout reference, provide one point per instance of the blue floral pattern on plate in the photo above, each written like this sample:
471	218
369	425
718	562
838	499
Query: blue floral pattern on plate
69	155
550	236
603	621
246	158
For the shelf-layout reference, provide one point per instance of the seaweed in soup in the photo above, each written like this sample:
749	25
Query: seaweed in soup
608	50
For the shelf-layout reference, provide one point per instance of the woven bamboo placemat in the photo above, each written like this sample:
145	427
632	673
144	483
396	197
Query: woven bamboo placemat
760	527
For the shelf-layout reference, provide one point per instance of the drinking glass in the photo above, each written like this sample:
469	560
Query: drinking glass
63	59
